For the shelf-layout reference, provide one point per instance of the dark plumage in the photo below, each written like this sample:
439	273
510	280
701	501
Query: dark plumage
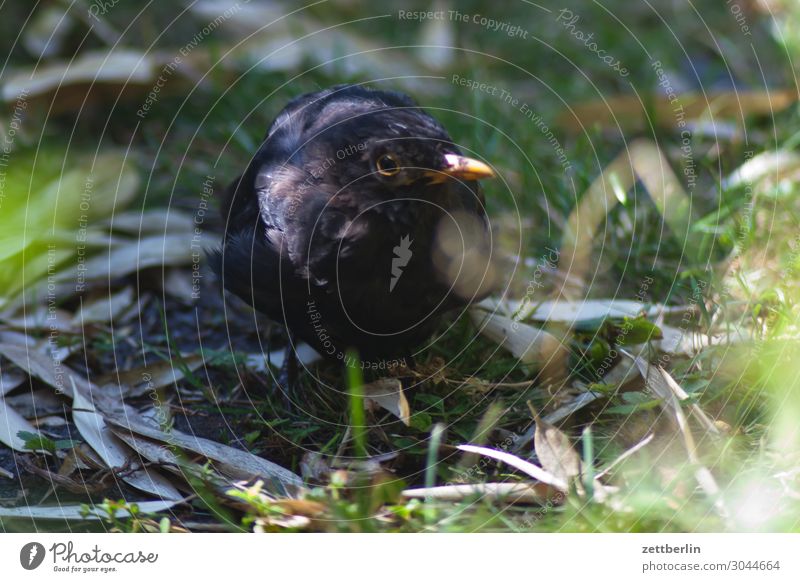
356	224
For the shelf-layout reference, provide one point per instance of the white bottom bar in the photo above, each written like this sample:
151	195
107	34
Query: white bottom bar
402	557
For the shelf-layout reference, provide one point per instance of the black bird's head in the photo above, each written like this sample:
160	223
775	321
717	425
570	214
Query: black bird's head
392	150
370	146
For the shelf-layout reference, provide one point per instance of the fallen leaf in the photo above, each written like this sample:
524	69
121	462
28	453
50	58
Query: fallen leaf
658	386
153	251
79	512
526	467
695	408
9	381
388	394
565	311
558	415
36	403
41	318
165	458
262	37
11	424
138	381
771	166
530	344
306	355
572	406
304	507
42	366
684	342
508	492
115	453
628	111
44	35
554	450
120	66
437	39
180	284
104	308
235	463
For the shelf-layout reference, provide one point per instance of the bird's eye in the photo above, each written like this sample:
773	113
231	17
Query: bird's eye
387	165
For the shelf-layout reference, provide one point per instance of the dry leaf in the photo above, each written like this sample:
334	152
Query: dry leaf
670	394
153	251
658	386
121	66
44	34
306	355
37	403
771	165
520	464
49	421
558	415
104	309
166	458
531	345
76	512
139	381
42	366
695	408
263	37
508	492
152	451
555	452
572	406
16	338
437	39
564	311
388	394
11	423
235	463
9	381
41	318
116	454
180	284
304	507
628	111
682	342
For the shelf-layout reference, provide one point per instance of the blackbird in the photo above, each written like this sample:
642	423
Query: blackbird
356	224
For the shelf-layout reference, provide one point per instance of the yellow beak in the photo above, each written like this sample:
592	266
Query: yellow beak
461	168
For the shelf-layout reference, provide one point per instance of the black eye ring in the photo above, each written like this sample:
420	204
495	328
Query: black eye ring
387	165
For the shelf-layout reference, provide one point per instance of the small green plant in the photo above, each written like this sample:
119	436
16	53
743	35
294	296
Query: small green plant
39	442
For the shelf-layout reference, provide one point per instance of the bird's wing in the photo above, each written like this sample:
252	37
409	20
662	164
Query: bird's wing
252	268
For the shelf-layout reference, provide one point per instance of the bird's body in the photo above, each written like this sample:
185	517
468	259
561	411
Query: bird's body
335	229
